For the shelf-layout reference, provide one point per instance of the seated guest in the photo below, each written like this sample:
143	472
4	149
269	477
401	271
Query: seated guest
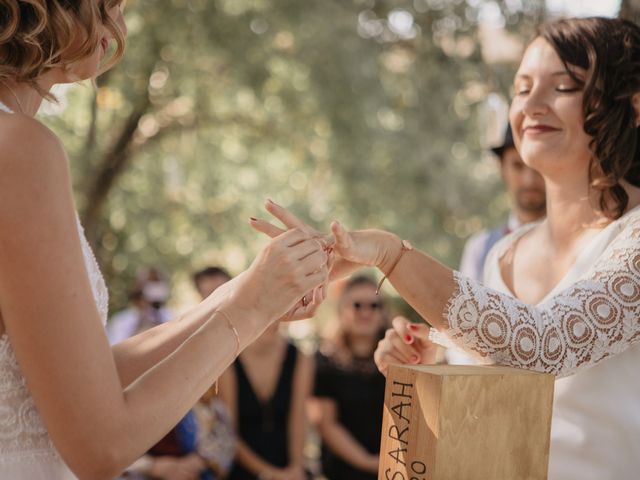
266	390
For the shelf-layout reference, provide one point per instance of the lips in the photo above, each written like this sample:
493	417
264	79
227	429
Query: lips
539	129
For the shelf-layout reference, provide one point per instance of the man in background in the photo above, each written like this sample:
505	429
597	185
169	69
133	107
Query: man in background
208	279
526	190
147	306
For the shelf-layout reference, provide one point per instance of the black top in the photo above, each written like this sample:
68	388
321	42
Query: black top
263	426
358	390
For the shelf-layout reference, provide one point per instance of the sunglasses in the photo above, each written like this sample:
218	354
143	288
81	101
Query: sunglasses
371	305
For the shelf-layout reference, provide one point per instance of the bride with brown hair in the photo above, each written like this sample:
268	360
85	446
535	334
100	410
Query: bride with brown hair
71	406
562	295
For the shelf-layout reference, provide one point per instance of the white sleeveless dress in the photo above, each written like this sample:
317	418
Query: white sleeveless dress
586	331
26	451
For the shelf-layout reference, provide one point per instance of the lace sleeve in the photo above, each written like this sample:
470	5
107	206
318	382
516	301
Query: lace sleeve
595	317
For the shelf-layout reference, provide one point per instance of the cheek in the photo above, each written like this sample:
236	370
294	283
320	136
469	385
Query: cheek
346	317
570	112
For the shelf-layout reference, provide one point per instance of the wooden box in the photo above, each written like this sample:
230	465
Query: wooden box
454	422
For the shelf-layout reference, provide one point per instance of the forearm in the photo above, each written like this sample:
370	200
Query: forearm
297	436
139	353
251	461
160	397
340	441
297	421
423	282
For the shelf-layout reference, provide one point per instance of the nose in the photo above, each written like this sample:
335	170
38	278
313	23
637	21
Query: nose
535	103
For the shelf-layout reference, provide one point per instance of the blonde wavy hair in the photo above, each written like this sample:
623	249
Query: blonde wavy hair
39	35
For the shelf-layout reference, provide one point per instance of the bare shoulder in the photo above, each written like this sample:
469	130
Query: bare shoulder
36	163
24	141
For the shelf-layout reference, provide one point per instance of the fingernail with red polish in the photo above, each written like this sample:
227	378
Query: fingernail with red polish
413	327
408	338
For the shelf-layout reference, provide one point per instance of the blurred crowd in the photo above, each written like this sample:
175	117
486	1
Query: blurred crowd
276	413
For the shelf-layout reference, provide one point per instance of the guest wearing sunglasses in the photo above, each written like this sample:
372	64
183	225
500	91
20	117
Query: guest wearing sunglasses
349	391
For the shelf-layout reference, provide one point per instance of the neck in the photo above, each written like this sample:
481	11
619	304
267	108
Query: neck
21	97
361	345
572	208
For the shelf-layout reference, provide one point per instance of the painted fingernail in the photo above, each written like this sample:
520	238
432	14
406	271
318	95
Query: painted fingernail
408	338
415	359
413	327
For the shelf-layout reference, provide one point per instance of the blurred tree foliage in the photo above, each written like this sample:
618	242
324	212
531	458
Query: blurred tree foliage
367	111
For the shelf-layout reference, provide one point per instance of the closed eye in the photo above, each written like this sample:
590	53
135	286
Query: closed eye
568	90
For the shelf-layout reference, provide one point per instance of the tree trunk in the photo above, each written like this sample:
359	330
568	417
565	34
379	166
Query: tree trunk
112	165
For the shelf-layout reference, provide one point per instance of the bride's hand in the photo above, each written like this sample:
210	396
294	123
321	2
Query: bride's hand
405	343
275	284
306	307
373	248
338	266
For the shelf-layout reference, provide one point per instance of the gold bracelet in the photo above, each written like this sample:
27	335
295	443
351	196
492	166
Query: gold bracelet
233	328
404	247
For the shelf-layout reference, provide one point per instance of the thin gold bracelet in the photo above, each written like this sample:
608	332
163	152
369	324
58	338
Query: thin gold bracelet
405	247
233	328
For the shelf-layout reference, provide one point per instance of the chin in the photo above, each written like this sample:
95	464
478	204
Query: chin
83	70
539	158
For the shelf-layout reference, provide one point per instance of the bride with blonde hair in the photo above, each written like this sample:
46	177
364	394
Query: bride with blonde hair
71	406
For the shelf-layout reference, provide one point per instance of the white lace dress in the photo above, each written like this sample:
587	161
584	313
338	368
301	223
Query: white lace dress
26	451
585	331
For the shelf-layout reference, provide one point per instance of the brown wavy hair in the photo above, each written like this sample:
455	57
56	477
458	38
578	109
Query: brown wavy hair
608	50
39	35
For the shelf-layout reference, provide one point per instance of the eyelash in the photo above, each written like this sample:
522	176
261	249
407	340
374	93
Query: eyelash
560	90
568	90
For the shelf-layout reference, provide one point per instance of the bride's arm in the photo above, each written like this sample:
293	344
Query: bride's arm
592	319
51	318
139	353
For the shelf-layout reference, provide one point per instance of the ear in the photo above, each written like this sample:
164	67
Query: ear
635	100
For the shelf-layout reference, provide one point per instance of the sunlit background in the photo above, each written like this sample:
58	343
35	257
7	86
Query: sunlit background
374	112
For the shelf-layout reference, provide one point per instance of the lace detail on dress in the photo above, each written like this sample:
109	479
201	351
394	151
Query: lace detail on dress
23	437
594	318
99	288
